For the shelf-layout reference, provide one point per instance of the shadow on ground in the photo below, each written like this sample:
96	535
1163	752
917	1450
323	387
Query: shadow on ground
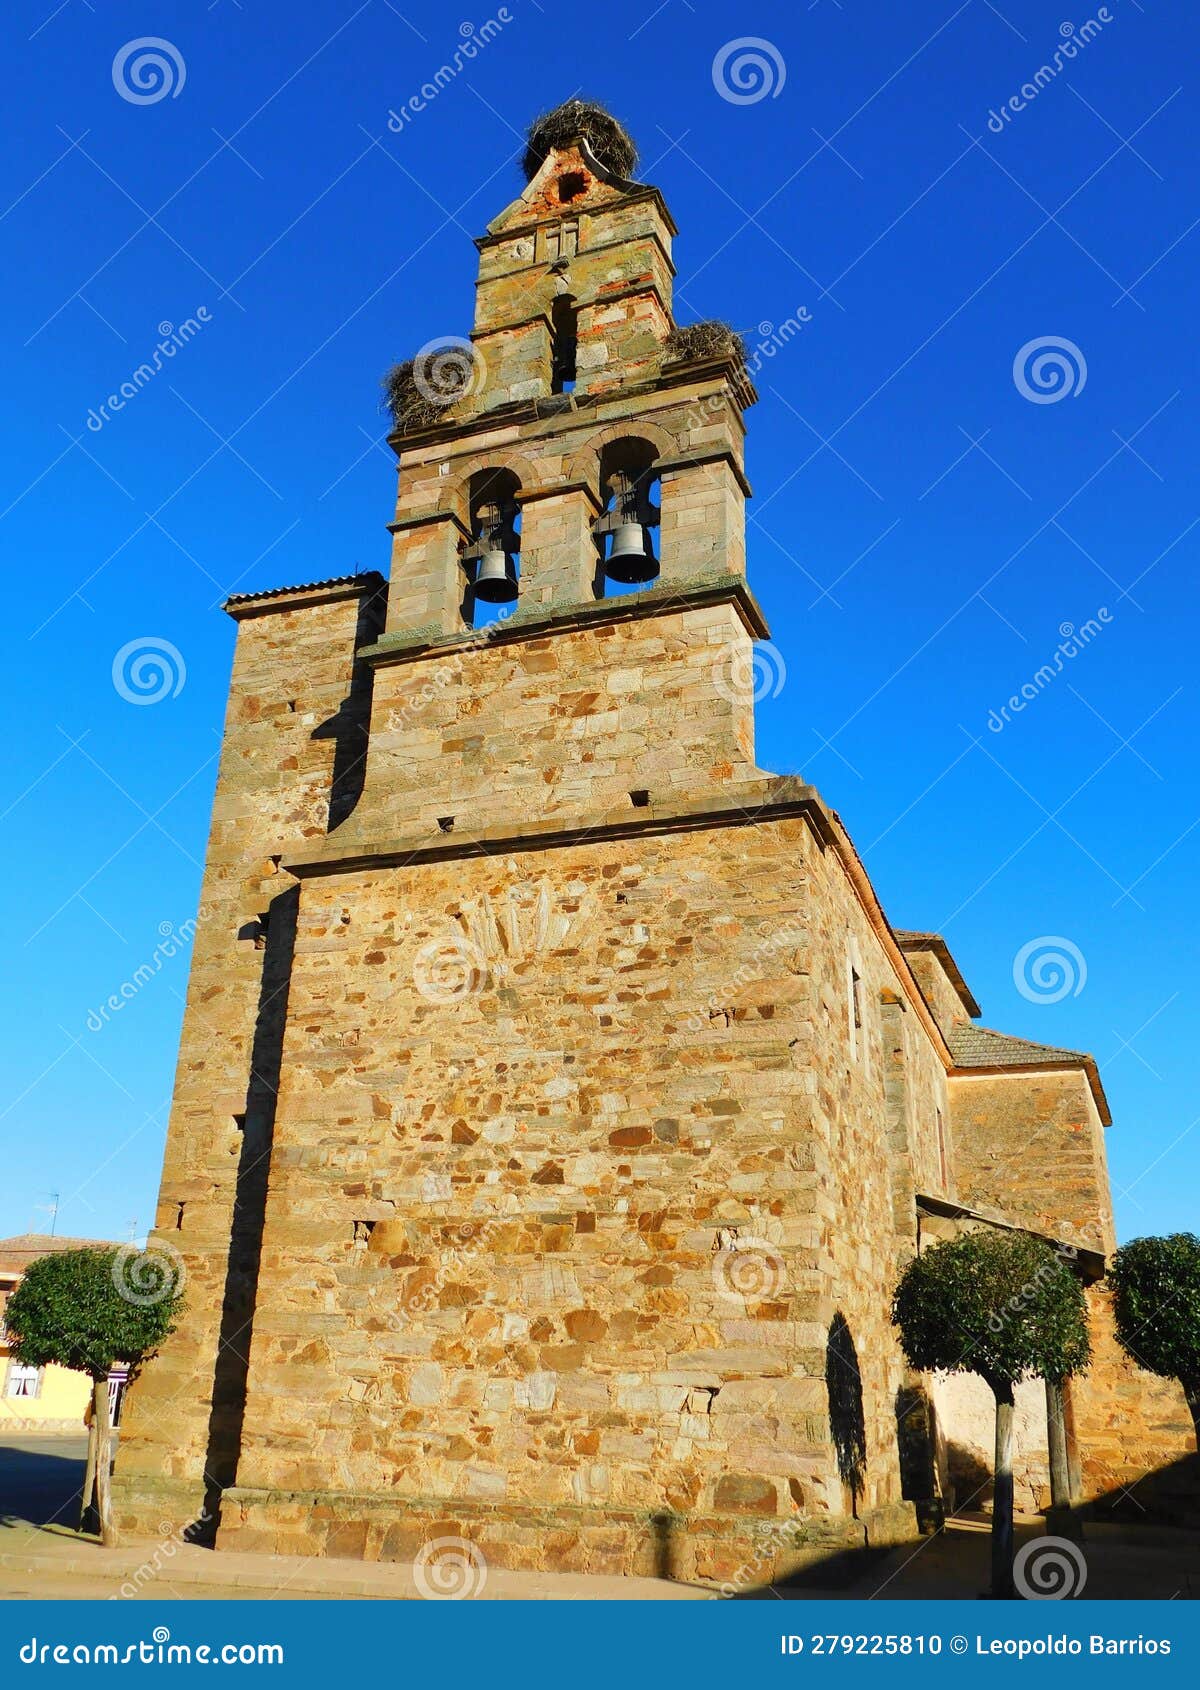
40	1480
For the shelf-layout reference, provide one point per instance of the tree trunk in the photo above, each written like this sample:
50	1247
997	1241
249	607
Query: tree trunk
1191	1391
1002	1499
103	1430
89	1477
1061	1520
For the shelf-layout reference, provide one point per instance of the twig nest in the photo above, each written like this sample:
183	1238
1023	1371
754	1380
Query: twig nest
580	120
705	340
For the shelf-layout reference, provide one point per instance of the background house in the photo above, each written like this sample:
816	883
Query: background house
43	1399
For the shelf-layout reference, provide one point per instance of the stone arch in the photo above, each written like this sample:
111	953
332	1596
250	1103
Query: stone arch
585	465
515	463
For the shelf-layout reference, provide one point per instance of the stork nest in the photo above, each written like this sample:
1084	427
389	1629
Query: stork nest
413	407
577	120
705	340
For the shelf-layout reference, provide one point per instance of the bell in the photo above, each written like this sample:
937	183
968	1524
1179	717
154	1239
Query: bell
631	560
496	578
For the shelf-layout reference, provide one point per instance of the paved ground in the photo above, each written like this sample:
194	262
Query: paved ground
42	1557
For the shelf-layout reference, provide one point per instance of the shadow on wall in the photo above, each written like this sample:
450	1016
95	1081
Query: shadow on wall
350	726
847	1422
1168	1495
249	1212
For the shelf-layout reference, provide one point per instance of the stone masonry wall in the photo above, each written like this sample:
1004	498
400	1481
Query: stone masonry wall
1136	1439
1032	1147
564	724
293	737
566	1239
851	1074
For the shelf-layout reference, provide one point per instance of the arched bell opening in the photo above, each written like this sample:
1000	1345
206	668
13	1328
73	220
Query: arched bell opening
627	560
492	557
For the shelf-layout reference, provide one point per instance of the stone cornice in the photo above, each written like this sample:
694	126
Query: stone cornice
555	407
411	645
774	798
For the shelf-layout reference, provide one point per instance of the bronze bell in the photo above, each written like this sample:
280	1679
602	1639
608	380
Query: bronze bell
632	558
496	578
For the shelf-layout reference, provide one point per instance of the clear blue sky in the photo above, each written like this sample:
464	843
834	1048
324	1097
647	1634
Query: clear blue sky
921	532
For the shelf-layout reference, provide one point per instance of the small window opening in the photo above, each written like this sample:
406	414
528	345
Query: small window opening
362	1233
640	798
446	823
855	1005
563	344
941	1144
571	184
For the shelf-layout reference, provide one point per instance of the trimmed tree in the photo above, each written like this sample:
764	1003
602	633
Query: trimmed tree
90	1310
1156	1285
1003	1305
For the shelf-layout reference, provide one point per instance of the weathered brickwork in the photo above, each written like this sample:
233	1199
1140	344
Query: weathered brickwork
556	1107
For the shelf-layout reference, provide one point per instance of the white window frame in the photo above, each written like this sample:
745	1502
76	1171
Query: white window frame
18	1372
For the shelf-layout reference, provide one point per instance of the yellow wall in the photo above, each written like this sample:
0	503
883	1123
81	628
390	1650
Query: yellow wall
58	1406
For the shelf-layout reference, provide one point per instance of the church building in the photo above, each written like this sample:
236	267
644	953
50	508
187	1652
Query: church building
556	1105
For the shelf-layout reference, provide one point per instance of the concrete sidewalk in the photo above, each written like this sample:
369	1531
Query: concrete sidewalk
52	1563
49	1565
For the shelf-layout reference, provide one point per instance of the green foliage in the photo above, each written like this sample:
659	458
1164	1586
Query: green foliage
1000	1304
88	1309
1156	1282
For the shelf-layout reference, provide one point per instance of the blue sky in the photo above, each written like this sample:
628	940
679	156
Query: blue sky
922	530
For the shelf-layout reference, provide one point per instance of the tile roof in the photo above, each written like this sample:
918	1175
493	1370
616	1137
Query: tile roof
983	1047
16	1253
366	577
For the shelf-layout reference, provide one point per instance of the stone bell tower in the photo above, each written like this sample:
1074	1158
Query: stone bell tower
525	987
